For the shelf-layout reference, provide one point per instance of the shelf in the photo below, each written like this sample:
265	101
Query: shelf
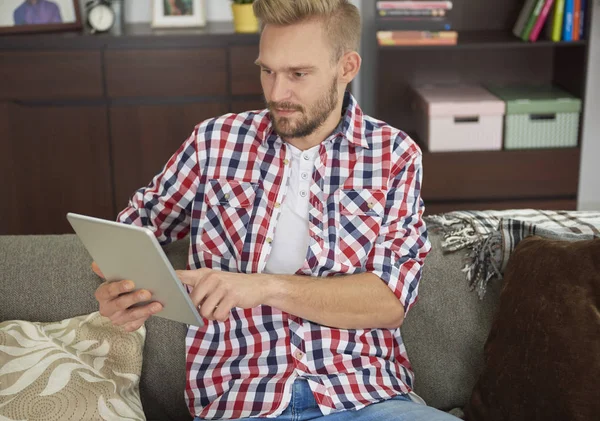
135	35
501	175
488	39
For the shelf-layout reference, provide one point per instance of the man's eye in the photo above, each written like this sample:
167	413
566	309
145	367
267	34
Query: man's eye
267	71
300	75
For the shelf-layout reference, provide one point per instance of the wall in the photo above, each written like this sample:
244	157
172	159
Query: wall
589	179
141	10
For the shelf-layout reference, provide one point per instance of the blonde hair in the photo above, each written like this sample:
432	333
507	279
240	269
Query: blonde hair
340	18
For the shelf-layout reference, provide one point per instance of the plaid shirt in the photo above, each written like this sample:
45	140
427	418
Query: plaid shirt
224	187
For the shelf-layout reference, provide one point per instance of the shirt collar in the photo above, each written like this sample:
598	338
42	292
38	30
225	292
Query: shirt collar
351	126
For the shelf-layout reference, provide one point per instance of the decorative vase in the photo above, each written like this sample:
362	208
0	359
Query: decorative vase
243	18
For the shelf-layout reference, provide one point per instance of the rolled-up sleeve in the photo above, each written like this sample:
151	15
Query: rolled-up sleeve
402	244
165	205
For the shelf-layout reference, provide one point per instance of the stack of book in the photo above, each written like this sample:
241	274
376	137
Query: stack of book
405	22
563	20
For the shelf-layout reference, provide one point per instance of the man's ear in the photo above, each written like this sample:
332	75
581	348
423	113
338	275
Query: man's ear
349	66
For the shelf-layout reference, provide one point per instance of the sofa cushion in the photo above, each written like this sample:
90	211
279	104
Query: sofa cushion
48	277
79	368
445	331
542	354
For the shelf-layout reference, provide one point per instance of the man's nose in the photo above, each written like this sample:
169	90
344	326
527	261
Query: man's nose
280	91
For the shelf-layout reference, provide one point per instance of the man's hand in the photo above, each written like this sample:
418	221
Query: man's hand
218	292
116	298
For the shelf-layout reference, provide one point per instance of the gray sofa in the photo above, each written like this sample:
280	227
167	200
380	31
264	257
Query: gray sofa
48	278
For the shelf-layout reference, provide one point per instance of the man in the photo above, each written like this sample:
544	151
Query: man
307	241
33	12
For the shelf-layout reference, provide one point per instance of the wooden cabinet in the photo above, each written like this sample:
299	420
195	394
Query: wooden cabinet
145	137
245	75
53	75
54	160
171	73
87	120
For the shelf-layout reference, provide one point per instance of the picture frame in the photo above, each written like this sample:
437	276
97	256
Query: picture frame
32	16
178	13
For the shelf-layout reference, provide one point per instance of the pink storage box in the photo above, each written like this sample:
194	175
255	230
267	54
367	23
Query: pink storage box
459	118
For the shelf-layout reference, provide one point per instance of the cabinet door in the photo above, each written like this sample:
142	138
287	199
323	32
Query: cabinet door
145	136
245	75
147	73
54	160
50	74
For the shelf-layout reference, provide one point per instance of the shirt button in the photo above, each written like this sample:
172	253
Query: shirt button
277	204
371	205
269	240
303	193
299	355
226	196
306	157
286	161
304	175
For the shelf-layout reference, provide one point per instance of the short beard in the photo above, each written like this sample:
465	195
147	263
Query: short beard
307	124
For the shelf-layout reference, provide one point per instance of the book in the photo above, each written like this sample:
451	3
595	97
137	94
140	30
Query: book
523	17
414	24
416	34
414	12
416	42
568	20
387	5
532	19
537	27
582	16
576	14
407	38
557	21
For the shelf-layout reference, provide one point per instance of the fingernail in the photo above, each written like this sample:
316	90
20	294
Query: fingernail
155	308
128	286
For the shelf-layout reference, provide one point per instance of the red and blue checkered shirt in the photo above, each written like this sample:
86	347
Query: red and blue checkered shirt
224	187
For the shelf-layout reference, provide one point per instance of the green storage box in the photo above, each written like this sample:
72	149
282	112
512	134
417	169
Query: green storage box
539	117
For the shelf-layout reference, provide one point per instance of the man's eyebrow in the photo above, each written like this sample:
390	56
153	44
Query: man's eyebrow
290	68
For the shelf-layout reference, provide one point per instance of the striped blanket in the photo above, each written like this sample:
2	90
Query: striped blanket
491	236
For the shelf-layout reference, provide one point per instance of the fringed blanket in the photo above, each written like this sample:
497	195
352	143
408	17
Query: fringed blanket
491	236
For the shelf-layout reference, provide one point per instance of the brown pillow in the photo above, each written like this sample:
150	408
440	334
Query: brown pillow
542	356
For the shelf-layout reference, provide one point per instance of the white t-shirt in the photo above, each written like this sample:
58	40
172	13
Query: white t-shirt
290	240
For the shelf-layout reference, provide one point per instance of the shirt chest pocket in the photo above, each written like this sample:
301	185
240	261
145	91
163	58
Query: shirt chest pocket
361	213
228	211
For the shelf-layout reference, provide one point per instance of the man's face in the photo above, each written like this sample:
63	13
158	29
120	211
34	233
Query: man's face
299	81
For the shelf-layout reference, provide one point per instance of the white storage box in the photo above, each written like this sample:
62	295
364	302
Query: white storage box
459	118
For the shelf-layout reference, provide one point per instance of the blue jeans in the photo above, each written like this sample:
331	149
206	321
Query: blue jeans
303	407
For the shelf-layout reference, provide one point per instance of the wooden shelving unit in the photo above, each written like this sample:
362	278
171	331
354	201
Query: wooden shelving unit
486	53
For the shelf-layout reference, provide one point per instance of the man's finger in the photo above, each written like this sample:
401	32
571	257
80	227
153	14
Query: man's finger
223	311
110	290
136	313
97	270
192	277
210	304
201	291
125	301
120	287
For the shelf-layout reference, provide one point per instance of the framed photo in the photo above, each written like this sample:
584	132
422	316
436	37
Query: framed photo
178	13
39	16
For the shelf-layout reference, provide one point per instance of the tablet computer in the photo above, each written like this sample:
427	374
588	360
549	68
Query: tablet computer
126	251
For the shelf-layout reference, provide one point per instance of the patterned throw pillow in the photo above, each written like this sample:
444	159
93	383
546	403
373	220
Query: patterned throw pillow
82	368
